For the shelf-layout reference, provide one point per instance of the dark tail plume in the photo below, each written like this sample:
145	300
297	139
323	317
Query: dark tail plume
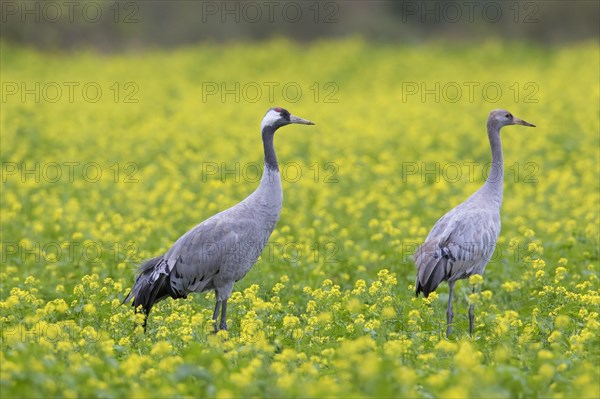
431	268
146	292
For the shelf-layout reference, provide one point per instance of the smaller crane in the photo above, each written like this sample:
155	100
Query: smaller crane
462	241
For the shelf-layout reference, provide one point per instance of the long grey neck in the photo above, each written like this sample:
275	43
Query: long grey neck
268	134
267	199
494	183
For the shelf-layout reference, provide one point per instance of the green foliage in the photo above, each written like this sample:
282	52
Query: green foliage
329	309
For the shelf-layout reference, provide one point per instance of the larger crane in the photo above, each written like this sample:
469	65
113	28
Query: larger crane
222	249
462	241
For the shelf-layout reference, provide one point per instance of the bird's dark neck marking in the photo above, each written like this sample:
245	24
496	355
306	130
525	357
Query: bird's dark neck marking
268	134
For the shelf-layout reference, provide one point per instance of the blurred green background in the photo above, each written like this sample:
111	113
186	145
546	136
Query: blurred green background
131	25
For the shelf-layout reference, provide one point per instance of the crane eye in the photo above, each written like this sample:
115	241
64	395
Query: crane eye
507	115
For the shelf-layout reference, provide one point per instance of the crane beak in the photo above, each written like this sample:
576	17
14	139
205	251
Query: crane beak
295	119
518	121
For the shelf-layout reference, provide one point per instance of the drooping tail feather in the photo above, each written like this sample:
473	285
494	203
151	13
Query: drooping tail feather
431	268
146	292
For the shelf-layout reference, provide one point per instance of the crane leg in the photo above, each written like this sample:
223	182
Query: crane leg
449	312
471	316
223	325
216	314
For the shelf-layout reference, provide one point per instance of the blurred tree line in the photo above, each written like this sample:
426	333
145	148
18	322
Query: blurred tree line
110	25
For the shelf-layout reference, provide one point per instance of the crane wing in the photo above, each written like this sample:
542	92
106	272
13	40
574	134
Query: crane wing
459	245
200	254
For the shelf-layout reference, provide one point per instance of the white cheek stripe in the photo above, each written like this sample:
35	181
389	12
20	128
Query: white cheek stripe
270	118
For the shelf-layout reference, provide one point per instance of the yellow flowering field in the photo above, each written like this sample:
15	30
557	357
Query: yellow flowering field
108	159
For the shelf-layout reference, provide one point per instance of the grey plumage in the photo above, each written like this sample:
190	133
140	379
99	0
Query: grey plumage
462	241
222	249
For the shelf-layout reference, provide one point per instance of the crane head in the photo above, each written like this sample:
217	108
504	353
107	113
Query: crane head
278	117
502	117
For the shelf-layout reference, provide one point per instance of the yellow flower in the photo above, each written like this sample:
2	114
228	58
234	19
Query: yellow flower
375	287
554	335
359	287
467	357
563	261
64	346
78	290
354	305
11	301
376	237
425	357
325	317
546	371
529	233
540	274
388	313
487	295
562	321
372	324
446	346
438	379
474	298
30	280
545	355
278	367
278	287
398	347
290	321
369	366
161	348
476	279
132	365
297	334
89	308
510	286
61	306
456	392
